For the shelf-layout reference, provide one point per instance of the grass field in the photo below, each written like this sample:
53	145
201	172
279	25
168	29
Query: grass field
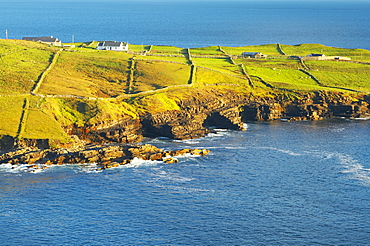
207	51
209	77
284	78
222	65
22	62
162	49
92	74
305	49
270	63
268	49
124	84
150	75
342	74
164	58
10	115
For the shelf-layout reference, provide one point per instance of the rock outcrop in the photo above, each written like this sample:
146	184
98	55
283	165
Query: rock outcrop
200	113
104	156
197	116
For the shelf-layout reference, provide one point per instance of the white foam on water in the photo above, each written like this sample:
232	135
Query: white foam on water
351	166
136	162
289	152
183	189
354	168
163	175
365	118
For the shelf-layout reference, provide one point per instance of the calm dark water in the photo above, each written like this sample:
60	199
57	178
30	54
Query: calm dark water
302	183
191	23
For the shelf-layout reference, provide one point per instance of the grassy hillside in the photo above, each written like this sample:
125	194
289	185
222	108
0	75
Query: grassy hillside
41	92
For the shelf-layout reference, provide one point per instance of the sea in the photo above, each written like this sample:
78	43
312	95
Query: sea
277	183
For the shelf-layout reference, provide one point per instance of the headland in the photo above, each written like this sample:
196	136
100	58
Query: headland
70	104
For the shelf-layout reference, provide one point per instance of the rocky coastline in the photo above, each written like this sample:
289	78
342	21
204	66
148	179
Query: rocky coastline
110	144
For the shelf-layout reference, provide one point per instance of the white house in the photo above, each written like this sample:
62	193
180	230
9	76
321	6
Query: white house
113	45
253	55
45	40
322	57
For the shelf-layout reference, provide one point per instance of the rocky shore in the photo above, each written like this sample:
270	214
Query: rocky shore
229	110
104	156
110	144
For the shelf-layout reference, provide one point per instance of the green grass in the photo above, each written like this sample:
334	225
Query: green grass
151	75
166	49
268	49
284	78
270	63
162	81
138	48
10	115
40	125
91	74
207	51
222	65
209	77
164	58
305	49
22	62
342	74
154	103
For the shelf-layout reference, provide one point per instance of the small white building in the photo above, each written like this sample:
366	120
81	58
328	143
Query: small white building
113	45
253	55
45	40
322	57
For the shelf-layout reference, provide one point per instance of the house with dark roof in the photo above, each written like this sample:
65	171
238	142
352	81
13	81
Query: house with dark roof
45	40
113	45
253	55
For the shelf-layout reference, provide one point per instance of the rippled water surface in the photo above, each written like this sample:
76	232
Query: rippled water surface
193	23
300	183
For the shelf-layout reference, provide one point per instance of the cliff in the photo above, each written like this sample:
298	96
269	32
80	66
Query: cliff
200	113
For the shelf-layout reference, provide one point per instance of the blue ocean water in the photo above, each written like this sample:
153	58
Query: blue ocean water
299	183
191	23
278	183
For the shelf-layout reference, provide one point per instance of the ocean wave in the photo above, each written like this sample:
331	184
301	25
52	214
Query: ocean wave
184	189
289	152
351	166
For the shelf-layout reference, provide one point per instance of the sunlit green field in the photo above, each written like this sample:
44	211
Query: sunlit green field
92	74
210	77
22	62
179	59
151	75
207	51
268	49
342	74
305	49
166	49
222	65
11	111
111	85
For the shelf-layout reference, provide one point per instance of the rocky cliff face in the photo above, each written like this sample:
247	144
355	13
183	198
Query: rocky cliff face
200	113
126	130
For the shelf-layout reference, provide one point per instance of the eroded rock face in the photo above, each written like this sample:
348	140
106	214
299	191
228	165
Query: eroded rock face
126	130
197	115
9	142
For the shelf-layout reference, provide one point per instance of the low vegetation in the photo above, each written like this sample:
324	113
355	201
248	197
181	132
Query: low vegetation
86	86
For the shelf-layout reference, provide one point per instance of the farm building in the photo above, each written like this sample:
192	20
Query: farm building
113	45
322	57
45	40
253	55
